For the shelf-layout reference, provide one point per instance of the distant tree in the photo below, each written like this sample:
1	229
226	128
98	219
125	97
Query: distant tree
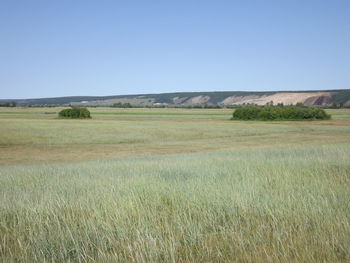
8	104
334	105
270	103
122	105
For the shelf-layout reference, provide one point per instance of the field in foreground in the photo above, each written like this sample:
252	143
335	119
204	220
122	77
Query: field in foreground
256	192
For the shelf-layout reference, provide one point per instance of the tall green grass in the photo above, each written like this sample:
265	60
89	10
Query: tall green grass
252	205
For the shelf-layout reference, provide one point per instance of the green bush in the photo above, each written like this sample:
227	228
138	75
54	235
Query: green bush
75	113
267	113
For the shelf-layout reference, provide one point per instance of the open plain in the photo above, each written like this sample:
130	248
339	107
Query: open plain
173	185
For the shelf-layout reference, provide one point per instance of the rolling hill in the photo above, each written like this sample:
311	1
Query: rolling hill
320	97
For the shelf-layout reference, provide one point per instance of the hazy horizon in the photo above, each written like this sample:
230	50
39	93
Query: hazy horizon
56	49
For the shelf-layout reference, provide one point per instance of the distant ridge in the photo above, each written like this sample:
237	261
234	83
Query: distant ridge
314	97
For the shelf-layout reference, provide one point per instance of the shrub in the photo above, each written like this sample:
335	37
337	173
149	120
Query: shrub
75	113
266	113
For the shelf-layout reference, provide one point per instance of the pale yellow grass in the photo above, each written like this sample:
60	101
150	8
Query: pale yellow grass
32	135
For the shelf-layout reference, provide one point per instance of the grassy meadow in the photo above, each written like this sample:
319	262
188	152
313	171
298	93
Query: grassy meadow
173	185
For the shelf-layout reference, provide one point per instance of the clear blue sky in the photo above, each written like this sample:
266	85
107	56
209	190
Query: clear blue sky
64	48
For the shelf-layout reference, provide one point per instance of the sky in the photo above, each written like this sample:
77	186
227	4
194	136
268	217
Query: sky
71	47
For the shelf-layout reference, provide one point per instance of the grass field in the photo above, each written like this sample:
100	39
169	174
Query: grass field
172	185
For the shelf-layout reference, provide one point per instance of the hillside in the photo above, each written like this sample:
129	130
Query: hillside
200	98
